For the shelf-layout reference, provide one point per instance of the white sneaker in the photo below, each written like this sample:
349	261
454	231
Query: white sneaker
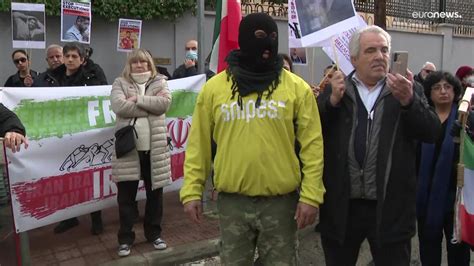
159	244
124	250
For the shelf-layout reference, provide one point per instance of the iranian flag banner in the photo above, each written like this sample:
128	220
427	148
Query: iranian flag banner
178	120
466	208
66	170
226	33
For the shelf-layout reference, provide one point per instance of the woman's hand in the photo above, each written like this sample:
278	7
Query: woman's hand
132	98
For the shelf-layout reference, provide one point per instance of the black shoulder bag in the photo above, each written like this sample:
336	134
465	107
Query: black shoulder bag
125	139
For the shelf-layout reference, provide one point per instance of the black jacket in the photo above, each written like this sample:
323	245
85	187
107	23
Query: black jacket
83	77
9	122
183	72
15	80
400	128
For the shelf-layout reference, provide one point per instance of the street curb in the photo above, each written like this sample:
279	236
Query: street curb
172	255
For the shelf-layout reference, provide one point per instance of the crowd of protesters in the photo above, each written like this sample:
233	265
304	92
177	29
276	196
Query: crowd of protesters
371	152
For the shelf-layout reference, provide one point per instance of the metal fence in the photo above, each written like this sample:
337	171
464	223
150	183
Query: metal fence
410	15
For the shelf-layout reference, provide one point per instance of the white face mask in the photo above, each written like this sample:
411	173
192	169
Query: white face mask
469	81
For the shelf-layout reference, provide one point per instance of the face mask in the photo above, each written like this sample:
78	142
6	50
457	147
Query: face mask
192	55
470	81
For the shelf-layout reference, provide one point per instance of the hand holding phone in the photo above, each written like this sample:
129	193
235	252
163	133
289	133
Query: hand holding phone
399	63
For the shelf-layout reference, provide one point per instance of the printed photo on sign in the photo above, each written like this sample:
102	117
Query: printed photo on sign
298	56
75	21
129	35
321	19
28	26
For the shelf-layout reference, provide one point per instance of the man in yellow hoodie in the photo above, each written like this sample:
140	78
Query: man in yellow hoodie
269	157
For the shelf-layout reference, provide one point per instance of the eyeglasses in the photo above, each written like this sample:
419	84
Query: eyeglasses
445	86
17	61
191	48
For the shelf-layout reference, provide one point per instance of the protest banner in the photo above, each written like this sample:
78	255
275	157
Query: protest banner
319	20
129	34
76	21
28	26
66	170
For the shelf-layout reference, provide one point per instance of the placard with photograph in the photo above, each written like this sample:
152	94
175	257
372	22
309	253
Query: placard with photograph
76	21
319	20
28	25
129	34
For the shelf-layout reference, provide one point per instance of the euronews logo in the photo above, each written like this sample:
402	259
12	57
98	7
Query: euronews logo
431	15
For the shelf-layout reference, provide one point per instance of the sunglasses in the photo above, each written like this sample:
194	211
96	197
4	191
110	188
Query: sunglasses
22	60
428	71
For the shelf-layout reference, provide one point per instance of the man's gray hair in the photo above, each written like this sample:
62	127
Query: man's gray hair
354	44
54	46
428	63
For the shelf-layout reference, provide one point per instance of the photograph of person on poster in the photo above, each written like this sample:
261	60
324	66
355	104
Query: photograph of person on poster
28	26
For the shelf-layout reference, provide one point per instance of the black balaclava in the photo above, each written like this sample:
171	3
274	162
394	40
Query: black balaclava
249	71
252	47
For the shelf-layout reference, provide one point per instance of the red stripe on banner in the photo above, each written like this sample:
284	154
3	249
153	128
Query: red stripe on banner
177	166
47	195
76	13
229	34
467	225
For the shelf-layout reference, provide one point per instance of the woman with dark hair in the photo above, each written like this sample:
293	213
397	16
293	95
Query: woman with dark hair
24	76
436	189
140	97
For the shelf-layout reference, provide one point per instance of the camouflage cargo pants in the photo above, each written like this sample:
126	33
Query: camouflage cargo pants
263	222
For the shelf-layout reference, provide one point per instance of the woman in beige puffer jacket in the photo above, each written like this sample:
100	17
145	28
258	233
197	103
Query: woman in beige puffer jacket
140	92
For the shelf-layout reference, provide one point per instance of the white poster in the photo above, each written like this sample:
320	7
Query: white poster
76	21
28	26
129	34
294	30
341	46
319	20
66	170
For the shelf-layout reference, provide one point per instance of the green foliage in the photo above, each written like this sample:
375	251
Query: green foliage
134	9
113	9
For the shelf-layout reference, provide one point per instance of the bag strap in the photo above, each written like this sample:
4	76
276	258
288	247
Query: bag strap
134	121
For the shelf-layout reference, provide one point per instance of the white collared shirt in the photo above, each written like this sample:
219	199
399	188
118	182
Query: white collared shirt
367	96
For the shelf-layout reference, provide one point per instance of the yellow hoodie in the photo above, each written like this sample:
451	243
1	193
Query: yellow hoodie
256	146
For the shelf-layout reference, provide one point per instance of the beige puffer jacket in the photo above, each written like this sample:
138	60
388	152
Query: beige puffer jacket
127	168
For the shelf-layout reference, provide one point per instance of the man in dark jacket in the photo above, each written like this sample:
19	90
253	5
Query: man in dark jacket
426	69
190	66
54	58
73	73
12	130
371	122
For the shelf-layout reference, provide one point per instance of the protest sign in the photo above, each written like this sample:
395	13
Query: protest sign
28	26
129	34
76	21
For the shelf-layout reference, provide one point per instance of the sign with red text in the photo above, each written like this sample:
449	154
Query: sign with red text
66	170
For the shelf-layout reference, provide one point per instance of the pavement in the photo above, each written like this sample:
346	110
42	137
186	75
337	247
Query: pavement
189	244
186	241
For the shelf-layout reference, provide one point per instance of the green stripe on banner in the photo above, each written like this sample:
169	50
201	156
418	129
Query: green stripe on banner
56	118
182	104
468	152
